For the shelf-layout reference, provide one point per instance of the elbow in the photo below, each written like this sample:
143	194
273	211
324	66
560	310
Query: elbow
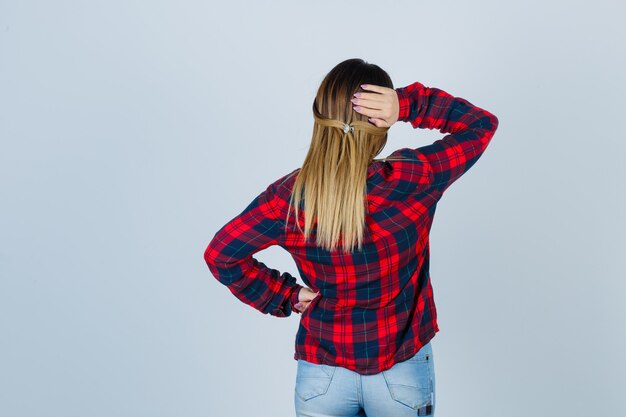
208	259
211	260
222	268
489	125
493	120
211	257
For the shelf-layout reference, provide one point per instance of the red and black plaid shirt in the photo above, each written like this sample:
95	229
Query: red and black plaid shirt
376	305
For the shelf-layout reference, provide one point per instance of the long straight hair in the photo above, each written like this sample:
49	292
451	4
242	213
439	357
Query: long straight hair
332	182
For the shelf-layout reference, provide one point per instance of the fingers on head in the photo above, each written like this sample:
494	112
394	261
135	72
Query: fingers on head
372	87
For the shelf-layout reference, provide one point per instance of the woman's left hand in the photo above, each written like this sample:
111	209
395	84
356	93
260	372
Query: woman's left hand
305	296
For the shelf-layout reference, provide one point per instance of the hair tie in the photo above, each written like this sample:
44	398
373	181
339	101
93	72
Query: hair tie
363	126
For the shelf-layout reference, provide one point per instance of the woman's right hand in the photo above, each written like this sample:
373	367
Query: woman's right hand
381	105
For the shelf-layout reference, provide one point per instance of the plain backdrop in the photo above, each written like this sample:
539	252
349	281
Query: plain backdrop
131	131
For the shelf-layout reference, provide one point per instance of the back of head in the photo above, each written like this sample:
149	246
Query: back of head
332	180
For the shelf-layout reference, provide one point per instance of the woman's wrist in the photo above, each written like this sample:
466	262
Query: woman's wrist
294	298
406	96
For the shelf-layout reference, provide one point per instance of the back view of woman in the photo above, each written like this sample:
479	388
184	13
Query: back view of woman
358	230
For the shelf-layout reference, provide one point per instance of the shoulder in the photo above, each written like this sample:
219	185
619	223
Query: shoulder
278	192
413	159
407	171
283	185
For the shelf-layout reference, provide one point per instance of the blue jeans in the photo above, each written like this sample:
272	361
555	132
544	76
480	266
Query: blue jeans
406	389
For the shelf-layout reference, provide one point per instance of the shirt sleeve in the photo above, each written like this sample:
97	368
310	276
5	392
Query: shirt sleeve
469	130
229	258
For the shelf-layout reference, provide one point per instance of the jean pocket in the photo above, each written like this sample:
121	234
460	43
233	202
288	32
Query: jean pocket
424	354
312	379
409	382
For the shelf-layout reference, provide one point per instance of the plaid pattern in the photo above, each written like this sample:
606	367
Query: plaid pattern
376	305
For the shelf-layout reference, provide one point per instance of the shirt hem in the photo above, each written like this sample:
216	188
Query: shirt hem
363	371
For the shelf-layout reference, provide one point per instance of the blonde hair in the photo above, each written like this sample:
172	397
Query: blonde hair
332	182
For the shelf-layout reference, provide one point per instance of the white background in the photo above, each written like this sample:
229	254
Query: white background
131	131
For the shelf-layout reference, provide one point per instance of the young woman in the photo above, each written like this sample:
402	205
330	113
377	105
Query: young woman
358	230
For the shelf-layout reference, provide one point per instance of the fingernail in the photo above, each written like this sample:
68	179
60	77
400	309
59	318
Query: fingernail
298	305
357	94
363	85
356	108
